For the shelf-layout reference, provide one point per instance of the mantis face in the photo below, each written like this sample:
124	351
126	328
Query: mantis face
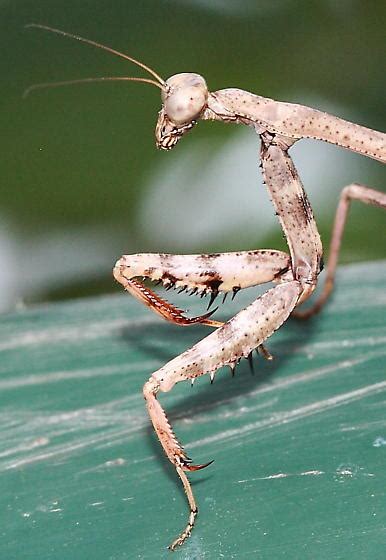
184	96
184	99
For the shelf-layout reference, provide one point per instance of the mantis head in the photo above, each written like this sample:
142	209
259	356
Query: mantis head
183	101
184	96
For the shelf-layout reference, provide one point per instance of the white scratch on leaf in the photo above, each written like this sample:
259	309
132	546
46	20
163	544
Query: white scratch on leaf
292	415
379	441
57	376
282	475
74	334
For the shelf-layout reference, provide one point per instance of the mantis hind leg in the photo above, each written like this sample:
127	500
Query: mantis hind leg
349	193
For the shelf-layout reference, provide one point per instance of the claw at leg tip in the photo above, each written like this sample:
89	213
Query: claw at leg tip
197	467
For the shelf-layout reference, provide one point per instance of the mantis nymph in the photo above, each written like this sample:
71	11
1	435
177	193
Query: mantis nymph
186	100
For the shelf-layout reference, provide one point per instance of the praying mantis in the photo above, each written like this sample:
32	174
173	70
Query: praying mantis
186	100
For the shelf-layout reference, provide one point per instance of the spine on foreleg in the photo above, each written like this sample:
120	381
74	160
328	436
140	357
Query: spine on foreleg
235	339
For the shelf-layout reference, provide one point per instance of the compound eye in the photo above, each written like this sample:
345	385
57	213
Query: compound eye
186	99
185	105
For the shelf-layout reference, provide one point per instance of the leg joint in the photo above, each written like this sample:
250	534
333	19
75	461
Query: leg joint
150	388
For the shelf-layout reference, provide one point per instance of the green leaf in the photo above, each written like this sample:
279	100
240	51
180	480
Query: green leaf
299	448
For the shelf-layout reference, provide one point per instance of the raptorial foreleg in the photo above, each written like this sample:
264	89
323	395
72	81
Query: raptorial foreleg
349	193
225	346
210	274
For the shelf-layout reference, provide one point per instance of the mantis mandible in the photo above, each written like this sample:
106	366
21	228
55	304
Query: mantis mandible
186	100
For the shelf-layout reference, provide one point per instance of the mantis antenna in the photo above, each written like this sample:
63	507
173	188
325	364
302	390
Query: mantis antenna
159	82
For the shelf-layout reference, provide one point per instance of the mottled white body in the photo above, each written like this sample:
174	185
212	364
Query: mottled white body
186	100
279	126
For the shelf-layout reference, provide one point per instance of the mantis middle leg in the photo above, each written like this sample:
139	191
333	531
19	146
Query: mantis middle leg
349	193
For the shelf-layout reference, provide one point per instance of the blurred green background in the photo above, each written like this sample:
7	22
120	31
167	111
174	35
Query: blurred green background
81	180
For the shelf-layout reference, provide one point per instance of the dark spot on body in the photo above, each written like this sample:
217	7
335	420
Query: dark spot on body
149	271
306	207
167	276
281	272
213	284
210	273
